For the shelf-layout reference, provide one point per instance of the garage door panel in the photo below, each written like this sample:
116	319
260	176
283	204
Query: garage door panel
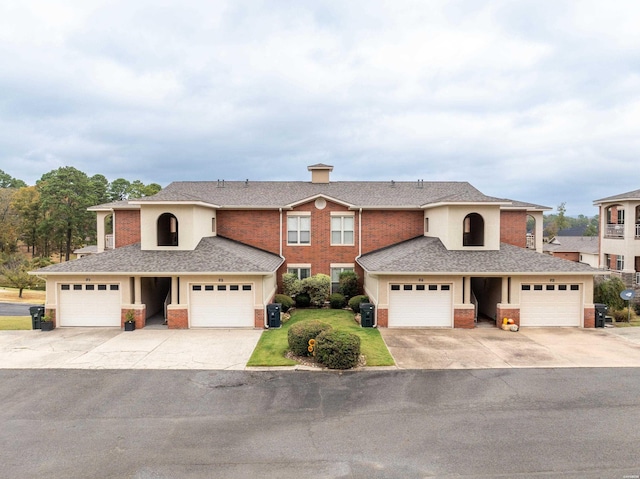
420	305
221	306
96	304
551	305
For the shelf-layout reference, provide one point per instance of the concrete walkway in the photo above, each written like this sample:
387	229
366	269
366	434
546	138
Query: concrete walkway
216	349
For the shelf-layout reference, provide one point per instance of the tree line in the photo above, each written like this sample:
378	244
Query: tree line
51	216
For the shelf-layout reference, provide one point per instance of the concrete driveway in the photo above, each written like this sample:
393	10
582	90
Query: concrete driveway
110	348
482	348
218	349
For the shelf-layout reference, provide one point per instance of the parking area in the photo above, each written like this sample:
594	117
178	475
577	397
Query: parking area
230	349
482	348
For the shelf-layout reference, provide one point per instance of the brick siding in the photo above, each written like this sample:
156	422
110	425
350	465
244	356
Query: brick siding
509	313
259	319
256	228
589	317
382	318
139	316
178	318
385	228
513	228
464	318
127	227
569	256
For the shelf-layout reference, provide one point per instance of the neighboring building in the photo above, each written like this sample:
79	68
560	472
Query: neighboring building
583	249
620	235
212	254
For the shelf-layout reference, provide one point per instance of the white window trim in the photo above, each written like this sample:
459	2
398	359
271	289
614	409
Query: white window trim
299	266
343	214
342	266
298	214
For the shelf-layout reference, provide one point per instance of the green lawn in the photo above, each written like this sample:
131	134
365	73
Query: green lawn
273	343
14	322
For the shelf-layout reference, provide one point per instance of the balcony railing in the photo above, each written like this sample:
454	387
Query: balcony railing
615	231
108	241
531	241
637	277
637	231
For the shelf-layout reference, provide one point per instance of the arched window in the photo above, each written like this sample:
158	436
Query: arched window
167	230
473	230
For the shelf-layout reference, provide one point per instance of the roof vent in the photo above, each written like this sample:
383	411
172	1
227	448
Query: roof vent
420	183
220	183
246	183
393	184
320	173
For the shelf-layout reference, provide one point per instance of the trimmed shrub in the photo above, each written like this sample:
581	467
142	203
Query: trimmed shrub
337	301
318	288
300	333
291	285
303	300
337	349
286	301
356	301
348	284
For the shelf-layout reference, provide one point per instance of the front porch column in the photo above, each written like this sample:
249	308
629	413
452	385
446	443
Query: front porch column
505	299
137	290
174	290
466	287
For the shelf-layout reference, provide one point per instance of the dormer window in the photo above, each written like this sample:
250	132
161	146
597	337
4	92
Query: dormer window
473	230
167	230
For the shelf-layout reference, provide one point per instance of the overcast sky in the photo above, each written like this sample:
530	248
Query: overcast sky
536	101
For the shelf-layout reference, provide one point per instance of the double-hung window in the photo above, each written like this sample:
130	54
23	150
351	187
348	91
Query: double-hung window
335	275
301	271
299	230
619	262
342	230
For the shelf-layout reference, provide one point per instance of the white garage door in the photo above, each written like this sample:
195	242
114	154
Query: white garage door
551	305
221	305
89	304
420	305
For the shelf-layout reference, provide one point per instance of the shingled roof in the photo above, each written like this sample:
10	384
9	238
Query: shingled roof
361	194
212	255
629	195
573	244
428	255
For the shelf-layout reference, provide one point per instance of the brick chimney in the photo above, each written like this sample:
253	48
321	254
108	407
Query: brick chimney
320	173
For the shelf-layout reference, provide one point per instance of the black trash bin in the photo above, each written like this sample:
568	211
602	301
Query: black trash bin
273	315
37	313
367	315
601	314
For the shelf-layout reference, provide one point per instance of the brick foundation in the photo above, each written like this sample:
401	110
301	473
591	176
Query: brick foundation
178	318
259	319
589	317
509	313
139	316
464	318
382	318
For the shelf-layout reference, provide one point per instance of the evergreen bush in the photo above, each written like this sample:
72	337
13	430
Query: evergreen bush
348	284
317	287
337	349
291	285
300	333
286	301
356	301
337	301
302	300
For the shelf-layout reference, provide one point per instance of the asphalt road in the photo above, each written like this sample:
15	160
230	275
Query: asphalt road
516	423
15	309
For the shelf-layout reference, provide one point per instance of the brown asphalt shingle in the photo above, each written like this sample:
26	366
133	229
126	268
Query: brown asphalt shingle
213	254
428	255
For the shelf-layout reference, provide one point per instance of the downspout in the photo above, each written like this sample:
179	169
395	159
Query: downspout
375	319
266	319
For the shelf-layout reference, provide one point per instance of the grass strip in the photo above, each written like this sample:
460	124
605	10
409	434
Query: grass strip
273	343
14	323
